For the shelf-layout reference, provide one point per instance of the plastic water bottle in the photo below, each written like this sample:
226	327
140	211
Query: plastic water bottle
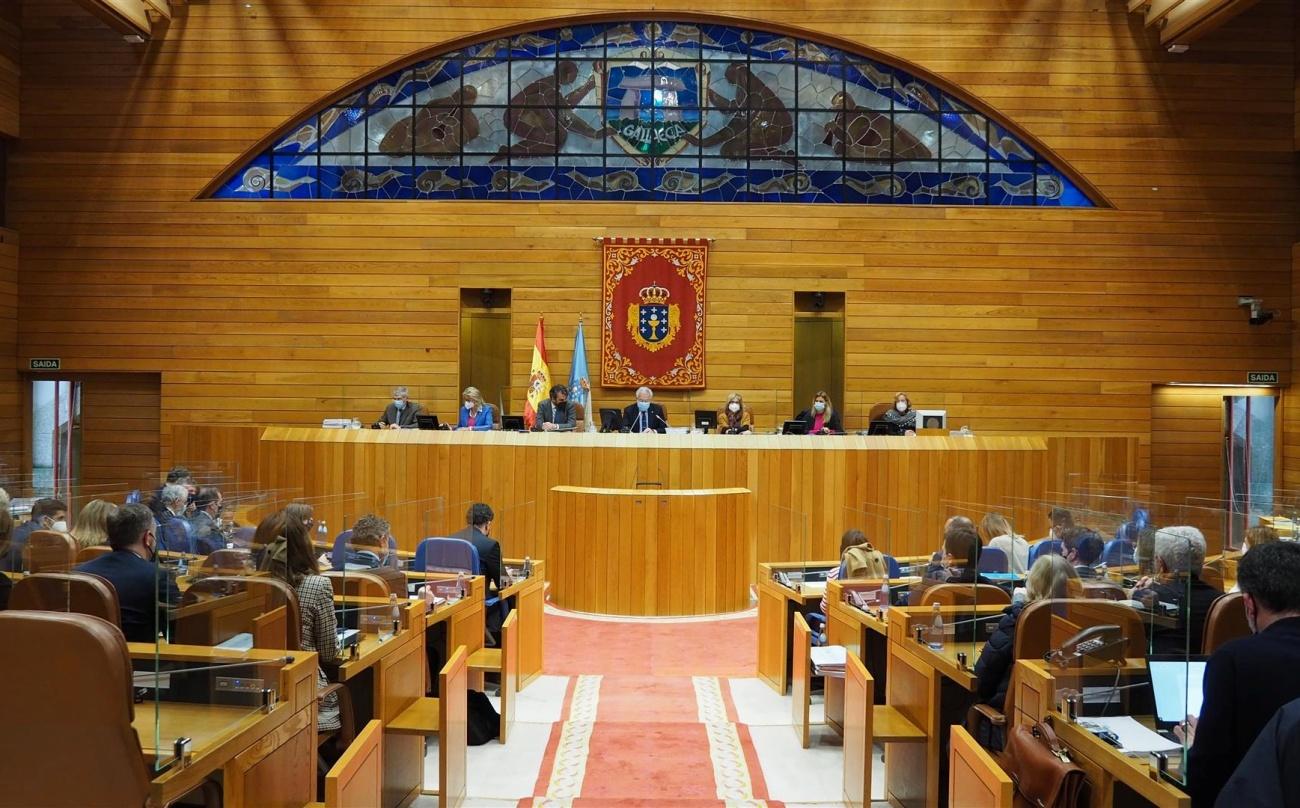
936	630
322	532
528	567
884	596
395	611
460	586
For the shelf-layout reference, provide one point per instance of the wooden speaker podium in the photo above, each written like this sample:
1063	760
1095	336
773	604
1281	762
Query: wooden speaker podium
649	552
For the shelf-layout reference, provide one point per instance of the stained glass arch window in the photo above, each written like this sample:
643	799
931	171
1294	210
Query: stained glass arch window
659	110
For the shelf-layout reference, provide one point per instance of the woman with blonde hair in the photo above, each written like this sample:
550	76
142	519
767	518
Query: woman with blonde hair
1049	578
821	418
999	536
901	414
735	418
475	416
91	529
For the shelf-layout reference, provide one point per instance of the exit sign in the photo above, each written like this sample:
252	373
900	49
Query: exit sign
1262	377
45	364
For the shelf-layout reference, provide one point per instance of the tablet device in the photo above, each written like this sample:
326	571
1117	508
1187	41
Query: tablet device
795	427
1176	684
512	423
427	422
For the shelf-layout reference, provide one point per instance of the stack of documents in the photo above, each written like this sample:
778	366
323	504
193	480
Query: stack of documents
336	423
828	660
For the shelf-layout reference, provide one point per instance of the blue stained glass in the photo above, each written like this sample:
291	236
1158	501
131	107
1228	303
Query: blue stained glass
655	110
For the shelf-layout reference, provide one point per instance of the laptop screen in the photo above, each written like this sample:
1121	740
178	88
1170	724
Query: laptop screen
1177	686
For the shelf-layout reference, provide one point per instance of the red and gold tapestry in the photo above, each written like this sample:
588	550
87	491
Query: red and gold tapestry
653	304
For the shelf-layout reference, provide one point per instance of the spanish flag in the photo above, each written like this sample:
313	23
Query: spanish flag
539	378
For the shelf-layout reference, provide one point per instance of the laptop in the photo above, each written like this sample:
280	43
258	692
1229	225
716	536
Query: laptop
795	427
427	422
706	419
1176	683
512	423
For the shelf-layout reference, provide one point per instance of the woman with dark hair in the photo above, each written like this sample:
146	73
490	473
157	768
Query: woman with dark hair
290	558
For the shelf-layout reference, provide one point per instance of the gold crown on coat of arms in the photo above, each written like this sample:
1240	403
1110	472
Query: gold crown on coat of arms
654	295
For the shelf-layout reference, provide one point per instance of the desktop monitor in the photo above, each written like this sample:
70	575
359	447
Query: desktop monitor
795	427
611	420
931	419
1176	684
512	423
884	428
706	419
427	422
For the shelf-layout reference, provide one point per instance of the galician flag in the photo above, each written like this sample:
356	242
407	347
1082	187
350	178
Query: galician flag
580	380
539	378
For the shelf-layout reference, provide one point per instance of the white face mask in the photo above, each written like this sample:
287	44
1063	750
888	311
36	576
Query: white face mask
734	407
901	406
469	405
60	526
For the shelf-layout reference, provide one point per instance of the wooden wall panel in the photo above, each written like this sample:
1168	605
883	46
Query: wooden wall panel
1015	321
10	67
119	431
11	397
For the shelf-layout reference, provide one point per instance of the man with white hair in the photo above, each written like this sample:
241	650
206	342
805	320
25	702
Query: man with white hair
400	414
174	529
644	416
1179	554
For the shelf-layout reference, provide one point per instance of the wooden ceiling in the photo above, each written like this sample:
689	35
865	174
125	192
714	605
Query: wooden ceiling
1182	22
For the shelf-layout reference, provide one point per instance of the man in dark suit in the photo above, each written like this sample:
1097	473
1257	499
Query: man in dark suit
478	525
557	413
47	514
400	414
205	524
1249	679
644	416
143	591
1267	777
1179	556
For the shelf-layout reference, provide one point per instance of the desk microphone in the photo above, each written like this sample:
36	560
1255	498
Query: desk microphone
660	417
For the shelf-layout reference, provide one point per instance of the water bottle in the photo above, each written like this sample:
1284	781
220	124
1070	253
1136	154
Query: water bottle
395	611
460	586
322	532
528	567
883	601
183	566
936	630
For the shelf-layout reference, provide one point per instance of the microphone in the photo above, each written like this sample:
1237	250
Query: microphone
660	417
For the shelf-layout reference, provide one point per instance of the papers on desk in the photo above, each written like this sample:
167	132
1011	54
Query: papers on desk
151	679
239	642
828	660
1134	739
812	588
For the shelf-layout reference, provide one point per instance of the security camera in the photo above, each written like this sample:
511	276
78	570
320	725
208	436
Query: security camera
1258	314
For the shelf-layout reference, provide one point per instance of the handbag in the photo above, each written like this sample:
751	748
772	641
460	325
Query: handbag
1039	765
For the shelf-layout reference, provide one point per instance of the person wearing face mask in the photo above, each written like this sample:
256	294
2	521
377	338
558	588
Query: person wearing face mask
475	416
400	414
821	418
644	415
901	415
1248	679
557	413
47	514
143	594
735	418
205	524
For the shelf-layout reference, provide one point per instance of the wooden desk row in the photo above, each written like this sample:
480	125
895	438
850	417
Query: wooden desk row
929	690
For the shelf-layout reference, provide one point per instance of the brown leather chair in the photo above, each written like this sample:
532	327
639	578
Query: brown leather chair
878	410
78	592
49	551
1225	621
1212	575
50	702
579	416
1096	590
965	595
90	553
229	559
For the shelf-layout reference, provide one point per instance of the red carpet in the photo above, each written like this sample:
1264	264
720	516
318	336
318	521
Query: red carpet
647	721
